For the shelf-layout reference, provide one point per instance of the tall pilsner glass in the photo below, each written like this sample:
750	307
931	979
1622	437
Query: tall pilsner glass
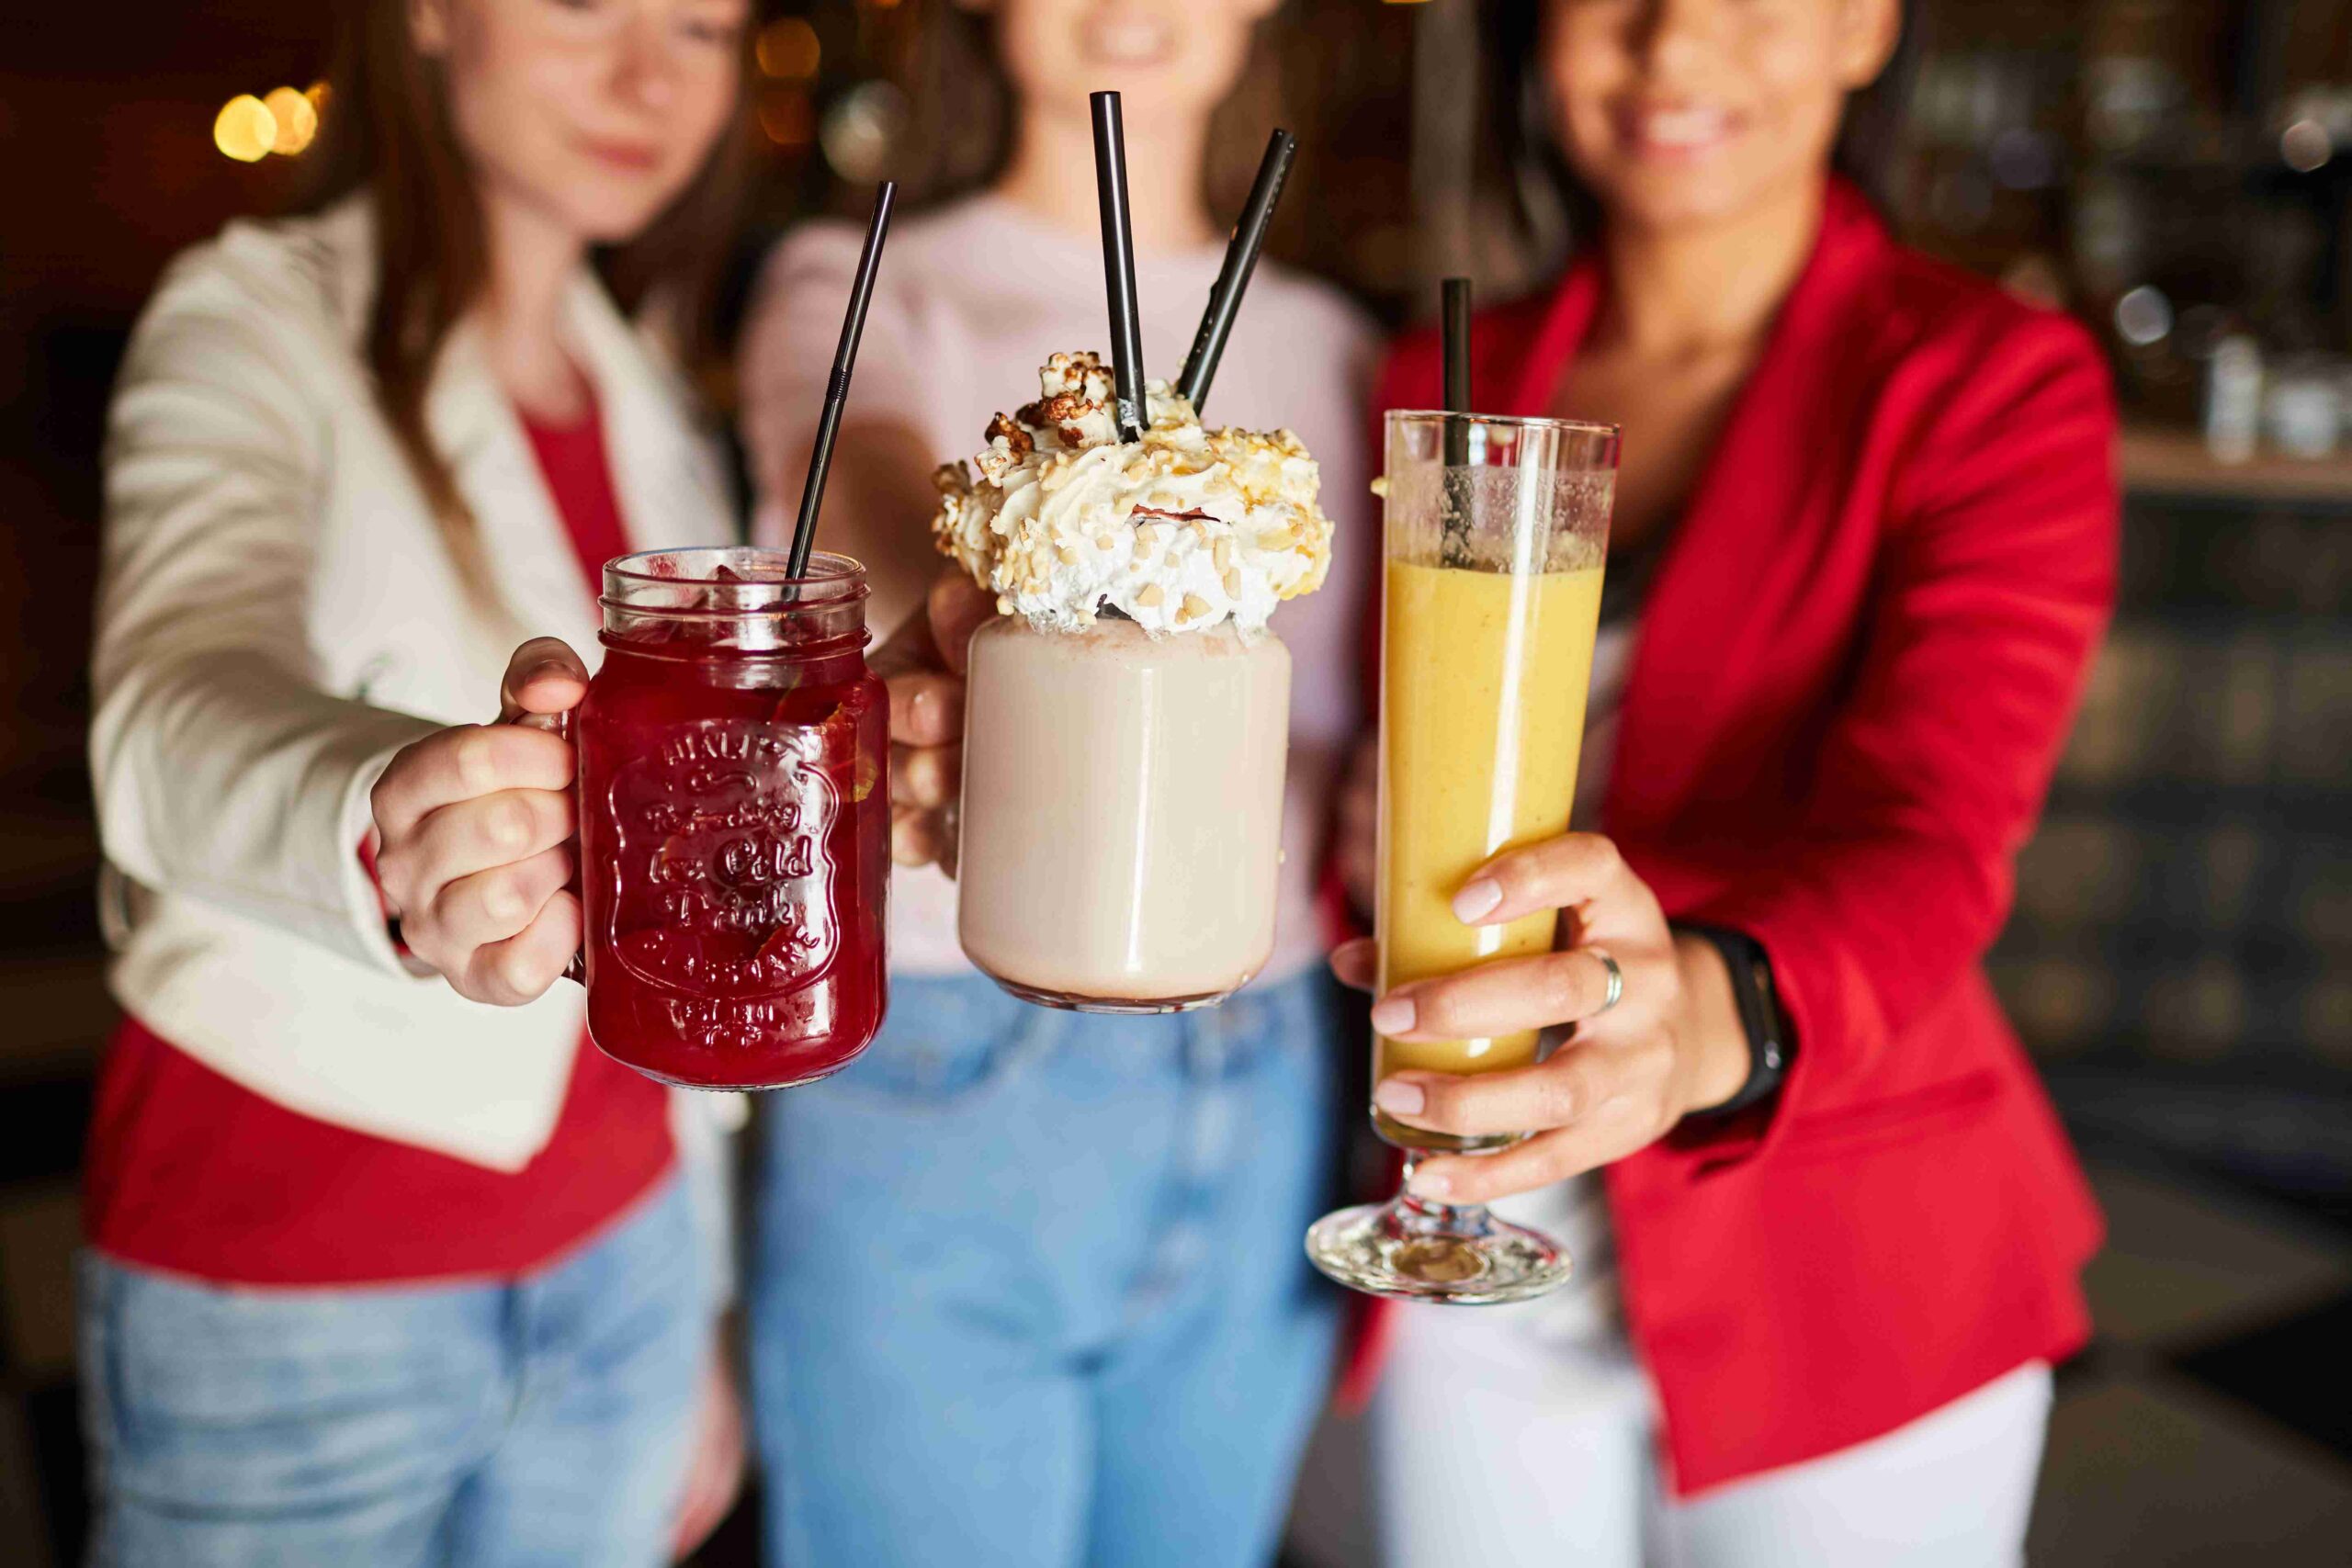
1497	530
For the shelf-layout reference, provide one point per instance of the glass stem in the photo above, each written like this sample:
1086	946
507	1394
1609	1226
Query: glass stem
1428	1214
1413	1159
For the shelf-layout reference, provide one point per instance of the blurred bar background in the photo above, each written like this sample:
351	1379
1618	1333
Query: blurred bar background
2177	171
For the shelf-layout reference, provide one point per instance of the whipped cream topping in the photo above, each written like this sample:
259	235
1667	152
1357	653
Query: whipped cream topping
1188	528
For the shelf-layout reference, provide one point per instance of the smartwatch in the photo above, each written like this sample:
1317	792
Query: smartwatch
1771	1045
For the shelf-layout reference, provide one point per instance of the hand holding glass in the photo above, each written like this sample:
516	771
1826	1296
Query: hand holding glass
734	820
1492	601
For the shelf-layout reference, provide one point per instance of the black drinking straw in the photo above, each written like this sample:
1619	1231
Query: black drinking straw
1119	266
1456	330
1241	257
821	459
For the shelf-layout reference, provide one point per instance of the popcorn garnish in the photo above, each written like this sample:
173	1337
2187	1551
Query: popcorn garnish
1188	528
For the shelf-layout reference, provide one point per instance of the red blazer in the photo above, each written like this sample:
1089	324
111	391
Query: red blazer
1853	674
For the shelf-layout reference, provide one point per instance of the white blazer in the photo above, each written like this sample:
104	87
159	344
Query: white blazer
276	616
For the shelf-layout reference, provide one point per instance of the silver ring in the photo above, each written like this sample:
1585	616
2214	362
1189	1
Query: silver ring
1616	981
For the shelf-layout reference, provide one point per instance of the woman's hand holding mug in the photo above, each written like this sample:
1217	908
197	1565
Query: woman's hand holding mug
923	666
475	848
1627	1073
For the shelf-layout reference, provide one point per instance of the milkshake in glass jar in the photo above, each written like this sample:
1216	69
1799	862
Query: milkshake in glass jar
1126	714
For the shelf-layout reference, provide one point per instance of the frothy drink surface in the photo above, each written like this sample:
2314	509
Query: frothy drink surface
1122	808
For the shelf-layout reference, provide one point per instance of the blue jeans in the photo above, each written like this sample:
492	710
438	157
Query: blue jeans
1028	1288
540	1421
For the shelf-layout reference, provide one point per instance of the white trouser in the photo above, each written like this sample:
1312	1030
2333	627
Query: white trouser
1496	1446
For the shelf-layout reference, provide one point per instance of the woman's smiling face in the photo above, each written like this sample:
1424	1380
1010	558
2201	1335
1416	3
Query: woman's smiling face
595	114
1164	58
1680	112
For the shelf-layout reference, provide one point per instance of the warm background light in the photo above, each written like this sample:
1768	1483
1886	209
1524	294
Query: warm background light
787	117
788	50
249	129
244	128
296	120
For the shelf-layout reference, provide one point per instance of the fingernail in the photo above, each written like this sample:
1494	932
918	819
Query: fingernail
1477	900
1430	1184
1400	1098
1392	1015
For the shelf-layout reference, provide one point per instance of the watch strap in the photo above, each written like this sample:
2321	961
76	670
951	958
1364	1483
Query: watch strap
1771	1046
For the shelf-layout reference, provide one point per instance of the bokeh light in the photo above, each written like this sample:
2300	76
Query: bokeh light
862	130
2144	316
2306	146
244	128
296	120
788	50
787	117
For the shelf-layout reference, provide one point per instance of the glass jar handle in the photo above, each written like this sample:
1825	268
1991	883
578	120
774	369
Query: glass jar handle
560	725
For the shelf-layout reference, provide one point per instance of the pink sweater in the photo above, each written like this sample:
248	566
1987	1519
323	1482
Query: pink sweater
971	300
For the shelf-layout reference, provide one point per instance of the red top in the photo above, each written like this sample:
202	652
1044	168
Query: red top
191	1171
580	482
1857	666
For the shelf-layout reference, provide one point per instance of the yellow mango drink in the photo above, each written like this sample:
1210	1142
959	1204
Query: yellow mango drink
1482	686
1496	534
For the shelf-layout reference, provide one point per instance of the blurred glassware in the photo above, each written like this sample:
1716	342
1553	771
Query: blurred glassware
2234	398
2303	405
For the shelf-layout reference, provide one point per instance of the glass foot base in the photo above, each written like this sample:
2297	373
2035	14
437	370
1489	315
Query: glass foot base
1128	1006
1435	1252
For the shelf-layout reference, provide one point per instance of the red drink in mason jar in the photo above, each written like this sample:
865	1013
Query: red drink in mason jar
734	820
